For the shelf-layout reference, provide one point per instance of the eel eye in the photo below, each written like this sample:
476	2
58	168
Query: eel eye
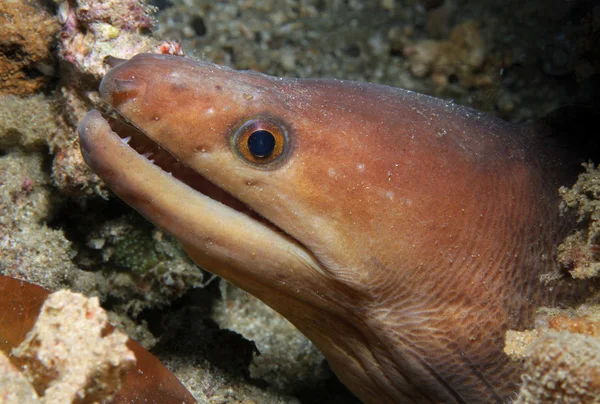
260	141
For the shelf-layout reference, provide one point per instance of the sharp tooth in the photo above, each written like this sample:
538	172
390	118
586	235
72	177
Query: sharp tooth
126	139
147	155
151	160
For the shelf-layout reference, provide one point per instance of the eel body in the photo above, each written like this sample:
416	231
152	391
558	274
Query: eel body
401	233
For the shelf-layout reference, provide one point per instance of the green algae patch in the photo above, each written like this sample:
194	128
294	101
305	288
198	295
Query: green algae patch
145	250
142	267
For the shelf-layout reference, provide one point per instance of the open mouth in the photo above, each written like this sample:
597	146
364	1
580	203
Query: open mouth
160	157
104	138
115	125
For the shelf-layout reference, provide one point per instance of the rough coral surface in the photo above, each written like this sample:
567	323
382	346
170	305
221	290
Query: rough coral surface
29	248
28	122
562	367
580	252
68	357
26	35
562	356
92	31
14	387
95	29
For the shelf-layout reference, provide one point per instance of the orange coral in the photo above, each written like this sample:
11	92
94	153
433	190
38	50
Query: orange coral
583	325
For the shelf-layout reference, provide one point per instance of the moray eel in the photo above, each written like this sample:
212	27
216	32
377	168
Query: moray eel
401	233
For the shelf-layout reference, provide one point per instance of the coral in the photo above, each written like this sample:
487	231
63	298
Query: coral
517	343
582	325
20	305
72	176
92	30
562	367
462	55
95	29
562	356
14	387
69	172
27	33
29	248
32	133
580	252
68	356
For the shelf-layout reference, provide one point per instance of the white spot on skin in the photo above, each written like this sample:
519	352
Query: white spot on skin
210	111
331	172
389	195
360	167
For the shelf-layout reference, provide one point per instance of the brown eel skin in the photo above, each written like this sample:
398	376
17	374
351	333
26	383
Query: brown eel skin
401	233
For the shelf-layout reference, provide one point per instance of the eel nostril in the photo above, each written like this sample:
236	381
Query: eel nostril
120	90
114	61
